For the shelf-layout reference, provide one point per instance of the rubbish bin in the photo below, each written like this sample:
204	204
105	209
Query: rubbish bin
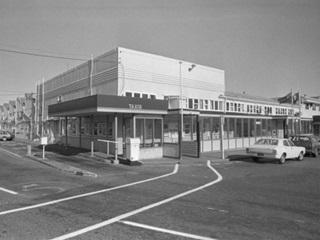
133	148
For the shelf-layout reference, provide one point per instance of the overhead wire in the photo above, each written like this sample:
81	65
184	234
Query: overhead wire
41	55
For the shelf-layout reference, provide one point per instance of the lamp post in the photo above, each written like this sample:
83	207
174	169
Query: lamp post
181	106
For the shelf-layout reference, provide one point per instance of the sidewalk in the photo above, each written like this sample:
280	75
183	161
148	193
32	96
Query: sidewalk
50	156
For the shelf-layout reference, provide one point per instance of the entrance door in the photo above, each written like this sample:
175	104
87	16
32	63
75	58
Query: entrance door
127	130
190	137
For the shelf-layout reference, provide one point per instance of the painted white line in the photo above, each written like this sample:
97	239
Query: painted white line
11	153
88	194
129	214
167	231
8	191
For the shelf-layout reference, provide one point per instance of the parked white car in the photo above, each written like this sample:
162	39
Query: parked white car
275	148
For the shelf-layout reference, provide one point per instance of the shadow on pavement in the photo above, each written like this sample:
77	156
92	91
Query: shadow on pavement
238	157
63	150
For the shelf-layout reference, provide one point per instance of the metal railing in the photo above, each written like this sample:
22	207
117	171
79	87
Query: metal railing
108	147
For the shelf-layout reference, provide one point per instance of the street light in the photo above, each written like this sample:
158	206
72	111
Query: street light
181	107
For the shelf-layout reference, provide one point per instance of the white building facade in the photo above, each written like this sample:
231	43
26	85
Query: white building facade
130	94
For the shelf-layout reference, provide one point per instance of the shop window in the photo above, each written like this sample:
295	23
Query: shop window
231	129
225	128
206	133
148	141
258	127
82	129
149	131
252	127
238	129
264	127
245	127
102	129
95	129
157	132
190	128
216	128
128	123
187	129
170	129
110	127
87	129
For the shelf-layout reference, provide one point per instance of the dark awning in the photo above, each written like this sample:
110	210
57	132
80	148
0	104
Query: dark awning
107	104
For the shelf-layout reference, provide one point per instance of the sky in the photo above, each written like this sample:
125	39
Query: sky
265	47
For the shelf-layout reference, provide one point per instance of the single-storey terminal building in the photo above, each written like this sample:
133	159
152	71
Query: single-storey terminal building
126	94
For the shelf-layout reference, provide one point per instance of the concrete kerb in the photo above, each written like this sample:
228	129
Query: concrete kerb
230	156
61	166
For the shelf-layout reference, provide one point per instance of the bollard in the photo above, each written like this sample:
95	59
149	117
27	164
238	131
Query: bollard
29	150
92	148
43	151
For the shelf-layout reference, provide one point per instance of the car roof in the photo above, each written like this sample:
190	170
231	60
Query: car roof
303	135
274	138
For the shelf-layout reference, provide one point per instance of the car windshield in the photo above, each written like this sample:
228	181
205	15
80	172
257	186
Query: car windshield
267	142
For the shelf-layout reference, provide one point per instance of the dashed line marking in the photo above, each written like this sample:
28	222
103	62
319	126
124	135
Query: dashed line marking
188	235
129	214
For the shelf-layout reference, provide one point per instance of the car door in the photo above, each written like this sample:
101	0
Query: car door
289	149
293	151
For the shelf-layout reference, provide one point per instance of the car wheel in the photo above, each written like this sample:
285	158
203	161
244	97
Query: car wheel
300	157
282	158
316	153
255	159
4	139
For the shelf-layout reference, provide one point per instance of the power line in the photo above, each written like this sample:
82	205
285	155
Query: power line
42	55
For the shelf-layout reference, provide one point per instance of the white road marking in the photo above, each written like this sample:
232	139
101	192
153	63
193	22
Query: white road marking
88	194
8	191
129	214
11	153
167	231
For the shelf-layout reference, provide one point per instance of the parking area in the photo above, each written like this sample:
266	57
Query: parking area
193	199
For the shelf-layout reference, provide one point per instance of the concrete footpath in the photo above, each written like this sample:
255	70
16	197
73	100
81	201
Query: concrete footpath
230	155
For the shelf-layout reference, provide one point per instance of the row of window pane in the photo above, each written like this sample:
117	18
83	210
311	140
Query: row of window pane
140	95
98	129
149	131
237	127
204	104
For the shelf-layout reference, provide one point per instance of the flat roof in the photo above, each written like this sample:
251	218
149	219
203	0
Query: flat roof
96	104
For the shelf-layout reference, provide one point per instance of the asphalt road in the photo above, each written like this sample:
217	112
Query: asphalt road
194	200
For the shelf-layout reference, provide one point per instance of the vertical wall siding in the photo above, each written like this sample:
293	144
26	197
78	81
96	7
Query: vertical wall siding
103	82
